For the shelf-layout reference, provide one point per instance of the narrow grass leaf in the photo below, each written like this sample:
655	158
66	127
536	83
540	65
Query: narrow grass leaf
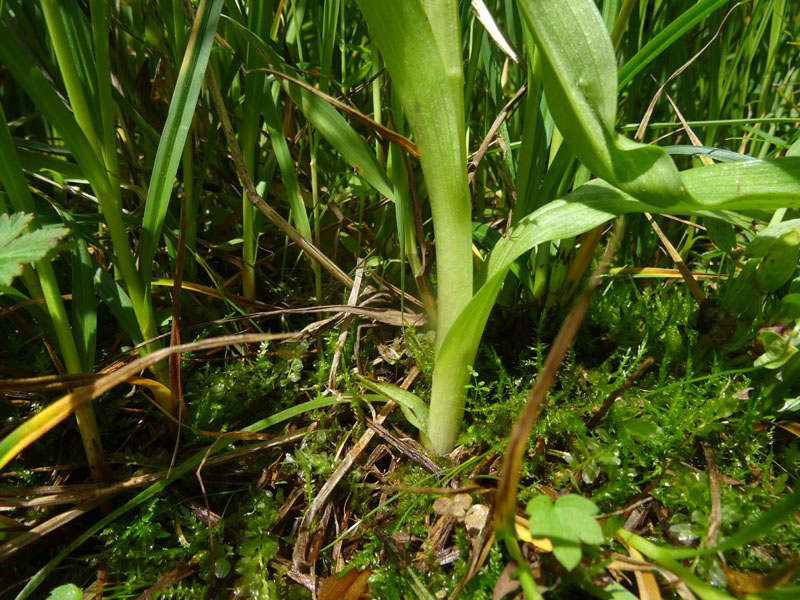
176	129
28	75
665	38
84	303
326	119
286	165
118	302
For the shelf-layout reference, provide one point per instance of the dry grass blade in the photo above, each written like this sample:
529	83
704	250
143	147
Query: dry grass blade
646	119
301	546
34	534
472	168
694	287
642	571
300	553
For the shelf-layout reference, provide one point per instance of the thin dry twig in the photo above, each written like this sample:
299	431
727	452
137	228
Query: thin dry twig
648	113
352	300
472	168
686	273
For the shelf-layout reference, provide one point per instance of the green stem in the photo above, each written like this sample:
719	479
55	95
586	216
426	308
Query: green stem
699	587
107	194
72	81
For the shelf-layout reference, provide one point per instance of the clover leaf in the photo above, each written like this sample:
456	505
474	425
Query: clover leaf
567	522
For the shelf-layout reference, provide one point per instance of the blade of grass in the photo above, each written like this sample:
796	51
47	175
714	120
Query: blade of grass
27	74
173	137
254	96
47	418
13	180
259	202
192	463
668	36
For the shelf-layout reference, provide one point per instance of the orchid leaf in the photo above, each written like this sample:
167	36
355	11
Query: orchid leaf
580	82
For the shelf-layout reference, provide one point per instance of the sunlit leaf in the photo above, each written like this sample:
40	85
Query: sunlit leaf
18	248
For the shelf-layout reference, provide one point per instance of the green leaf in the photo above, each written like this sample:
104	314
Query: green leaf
545	521
118	302
327	120
747	185
780	262
721	233
176	128
580	82
579	513
777	350
567	523
766	238
591	205
412	406
419	42
69	591
666	37
18	248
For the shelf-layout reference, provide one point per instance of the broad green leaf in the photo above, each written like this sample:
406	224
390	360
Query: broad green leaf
587	207
761	244
176	128
580	82
18	248
721	233
540	511
567	523
419	43
579	513
748	185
